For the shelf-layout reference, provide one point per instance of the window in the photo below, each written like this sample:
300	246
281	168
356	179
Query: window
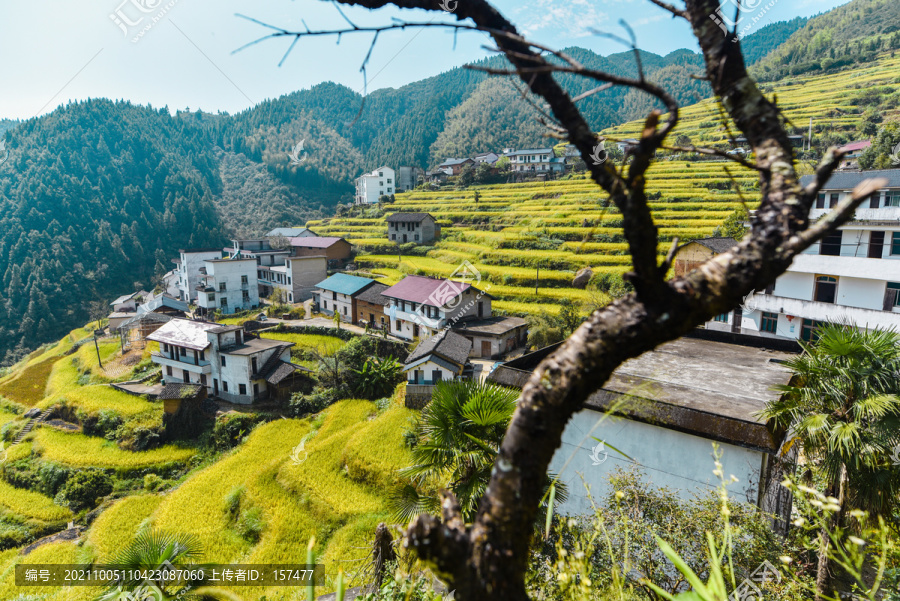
417	237
875	200
389	190
224	385
820	201
223	360
183	351
221	286
202	355
808	330
245	296
892	295
825	290
223	302
185	376
769	322
165	347
345	310
831	244
389	180
397	325
393	236
892	198
436	376
256	390
244	279
203	379
895	243
723	318
253	366
833	201
211	297
168	370
324	304
242	389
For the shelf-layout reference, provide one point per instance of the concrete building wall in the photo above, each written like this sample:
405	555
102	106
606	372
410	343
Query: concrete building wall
795	285
371	186
241	286
682	462
424	373
189	272
329	302
690	257
305	273
372	314
857	292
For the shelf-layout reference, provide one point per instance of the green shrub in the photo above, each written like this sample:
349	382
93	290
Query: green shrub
230	430
305	404
84	488
155	483
250	525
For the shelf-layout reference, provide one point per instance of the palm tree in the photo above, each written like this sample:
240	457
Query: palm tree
843	408
151	550
457	438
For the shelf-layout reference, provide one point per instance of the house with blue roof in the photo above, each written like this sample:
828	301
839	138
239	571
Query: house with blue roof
338	294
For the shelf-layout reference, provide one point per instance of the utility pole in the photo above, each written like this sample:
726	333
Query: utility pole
97	346
537	278
809	143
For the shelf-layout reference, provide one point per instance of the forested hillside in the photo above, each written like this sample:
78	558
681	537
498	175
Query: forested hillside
848	35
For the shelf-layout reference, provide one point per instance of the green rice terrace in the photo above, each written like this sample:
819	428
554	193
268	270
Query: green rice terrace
558	227
255	488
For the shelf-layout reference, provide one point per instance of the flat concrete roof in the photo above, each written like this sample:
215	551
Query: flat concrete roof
490	326
701	387
255	345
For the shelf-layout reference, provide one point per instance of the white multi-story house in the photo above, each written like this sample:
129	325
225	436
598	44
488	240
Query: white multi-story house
188	266
229	285
297	277
232	366
372	186
421	306
408	178
536	160
852	275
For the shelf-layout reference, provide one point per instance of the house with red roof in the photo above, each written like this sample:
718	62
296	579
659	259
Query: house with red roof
854	150
422	306
336	250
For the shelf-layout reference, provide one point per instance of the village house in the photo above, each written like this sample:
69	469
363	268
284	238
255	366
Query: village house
296	278
261	250
695	253
854	150
148	318
291	232
852	275
454	166
370	187
536	160
436	359
672	404
337	250
338	294
188	266
228	285
486	157
421	306
493	337
370	307
128	303
408	178
232	366
419	228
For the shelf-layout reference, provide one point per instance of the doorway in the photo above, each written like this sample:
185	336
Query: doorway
485	348
876	245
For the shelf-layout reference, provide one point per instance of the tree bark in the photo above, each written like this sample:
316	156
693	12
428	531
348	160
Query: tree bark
487	560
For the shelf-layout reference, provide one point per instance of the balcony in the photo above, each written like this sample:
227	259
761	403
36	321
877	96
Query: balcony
806	309
883	215
187	363
435	323
885	270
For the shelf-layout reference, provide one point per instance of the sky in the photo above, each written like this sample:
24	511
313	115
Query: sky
184	54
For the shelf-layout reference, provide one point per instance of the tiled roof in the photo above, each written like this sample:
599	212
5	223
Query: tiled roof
345	284
862	144
373	294
163	300
420	289
289	232
407	217
532	151
496	325
184	332
282	371
316	241
717	245
451	162
123	298
847	180
446	344
179	390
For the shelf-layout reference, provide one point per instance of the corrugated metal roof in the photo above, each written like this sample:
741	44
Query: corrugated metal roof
184	332
345	284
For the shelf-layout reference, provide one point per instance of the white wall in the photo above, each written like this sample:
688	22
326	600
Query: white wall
795	285
425	372
230	273
857	292
681	462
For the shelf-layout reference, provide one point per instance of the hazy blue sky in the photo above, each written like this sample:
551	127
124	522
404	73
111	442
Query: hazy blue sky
53	51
